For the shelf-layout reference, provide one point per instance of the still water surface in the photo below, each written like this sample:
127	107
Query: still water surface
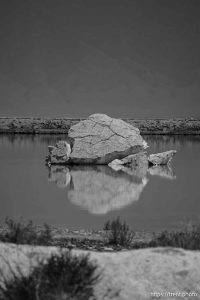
86	197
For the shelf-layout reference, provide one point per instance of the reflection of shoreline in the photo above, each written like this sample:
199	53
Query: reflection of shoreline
98	189
157	143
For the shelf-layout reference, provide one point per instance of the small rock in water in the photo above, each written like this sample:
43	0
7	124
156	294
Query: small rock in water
162	158
135	164
59	154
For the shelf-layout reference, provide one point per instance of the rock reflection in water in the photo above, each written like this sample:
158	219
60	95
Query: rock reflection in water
60	175
98	189
162	171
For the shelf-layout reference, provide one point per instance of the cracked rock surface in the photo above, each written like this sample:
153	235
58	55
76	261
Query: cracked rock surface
101	139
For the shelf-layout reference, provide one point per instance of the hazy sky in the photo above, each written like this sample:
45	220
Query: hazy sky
134	58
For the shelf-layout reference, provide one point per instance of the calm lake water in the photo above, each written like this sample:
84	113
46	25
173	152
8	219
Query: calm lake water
86	197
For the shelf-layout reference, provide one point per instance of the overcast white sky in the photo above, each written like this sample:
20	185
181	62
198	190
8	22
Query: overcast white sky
126	58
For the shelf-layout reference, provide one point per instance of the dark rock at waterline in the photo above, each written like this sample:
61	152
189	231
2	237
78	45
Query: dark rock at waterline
98	140
60	152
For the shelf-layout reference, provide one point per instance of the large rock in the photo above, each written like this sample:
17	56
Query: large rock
162	158
101	139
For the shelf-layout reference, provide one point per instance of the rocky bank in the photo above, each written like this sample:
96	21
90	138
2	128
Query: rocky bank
182	126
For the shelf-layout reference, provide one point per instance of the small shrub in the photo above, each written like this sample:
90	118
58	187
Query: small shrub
189	239
118	233
19	232
23	287
63	277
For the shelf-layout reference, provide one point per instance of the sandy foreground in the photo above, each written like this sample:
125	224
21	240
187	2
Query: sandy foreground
156	273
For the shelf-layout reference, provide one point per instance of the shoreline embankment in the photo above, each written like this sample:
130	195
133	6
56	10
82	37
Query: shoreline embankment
178	126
